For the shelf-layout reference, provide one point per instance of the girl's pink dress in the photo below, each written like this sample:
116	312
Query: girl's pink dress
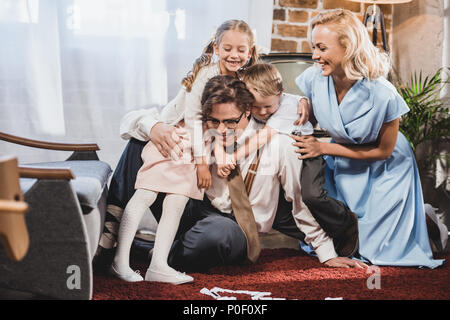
161	174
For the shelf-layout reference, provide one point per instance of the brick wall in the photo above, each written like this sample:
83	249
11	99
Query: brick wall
291	17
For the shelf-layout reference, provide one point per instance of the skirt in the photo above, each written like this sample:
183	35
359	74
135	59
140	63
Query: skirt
166	175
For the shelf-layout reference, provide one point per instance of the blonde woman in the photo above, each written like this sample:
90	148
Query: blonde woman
370	165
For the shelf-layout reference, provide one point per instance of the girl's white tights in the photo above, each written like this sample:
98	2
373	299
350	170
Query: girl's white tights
173	207
132	215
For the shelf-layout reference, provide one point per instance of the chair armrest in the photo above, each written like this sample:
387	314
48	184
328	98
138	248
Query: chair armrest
48	145
46	173
13	206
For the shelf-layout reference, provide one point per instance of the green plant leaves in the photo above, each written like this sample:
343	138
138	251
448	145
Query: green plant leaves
428	119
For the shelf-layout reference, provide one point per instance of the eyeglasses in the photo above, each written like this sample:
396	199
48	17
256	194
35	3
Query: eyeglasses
228	123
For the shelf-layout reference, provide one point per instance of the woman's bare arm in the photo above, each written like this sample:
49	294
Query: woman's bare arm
309	147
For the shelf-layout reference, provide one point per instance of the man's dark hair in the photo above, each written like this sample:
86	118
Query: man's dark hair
226	89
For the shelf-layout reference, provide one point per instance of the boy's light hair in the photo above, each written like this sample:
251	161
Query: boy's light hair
264	78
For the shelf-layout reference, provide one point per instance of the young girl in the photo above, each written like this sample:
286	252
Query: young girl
187	177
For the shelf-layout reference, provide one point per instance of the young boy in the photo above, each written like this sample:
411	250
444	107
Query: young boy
273	107
279	111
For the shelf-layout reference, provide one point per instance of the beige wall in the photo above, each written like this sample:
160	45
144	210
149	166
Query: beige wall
421	43
418	37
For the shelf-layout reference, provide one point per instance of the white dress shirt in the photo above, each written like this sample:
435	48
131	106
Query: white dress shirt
283	119
279	165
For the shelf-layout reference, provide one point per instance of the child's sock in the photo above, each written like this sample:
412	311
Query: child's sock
135	209
173	207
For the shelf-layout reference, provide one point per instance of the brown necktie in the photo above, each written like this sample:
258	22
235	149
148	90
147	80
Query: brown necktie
243	213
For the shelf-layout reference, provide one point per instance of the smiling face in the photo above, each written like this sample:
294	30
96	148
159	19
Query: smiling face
233	51
228	111
327	51
264	107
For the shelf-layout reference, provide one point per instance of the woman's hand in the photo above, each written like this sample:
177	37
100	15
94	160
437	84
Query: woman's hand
167	140
308	147
342	262
381	149
303	110
203	176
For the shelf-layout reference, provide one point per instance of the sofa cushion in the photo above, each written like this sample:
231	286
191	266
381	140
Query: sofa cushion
91	177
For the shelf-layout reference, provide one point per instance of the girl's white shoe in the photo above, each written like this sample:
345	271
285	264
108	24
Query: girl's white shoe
173	278
126	276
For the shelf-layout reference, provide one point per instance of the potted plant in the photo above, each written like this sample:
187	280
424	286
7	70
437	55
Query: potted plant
428	118
427	128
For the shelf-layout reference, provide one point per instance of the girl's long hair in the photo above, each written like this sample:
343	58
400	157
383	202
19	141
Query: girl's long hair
208	52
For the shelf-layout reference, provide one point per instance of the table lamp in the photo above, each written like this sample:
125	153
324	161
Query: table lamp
374	15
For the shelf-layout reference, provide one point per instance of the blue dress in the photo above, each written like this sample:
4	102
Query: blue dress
386	195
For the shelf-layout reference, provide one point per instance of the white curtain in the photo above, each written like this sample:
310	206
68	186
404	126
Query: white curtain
70	69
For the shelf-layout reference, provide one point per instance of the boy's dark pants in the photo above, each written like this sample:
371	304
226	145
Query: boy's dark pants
333	216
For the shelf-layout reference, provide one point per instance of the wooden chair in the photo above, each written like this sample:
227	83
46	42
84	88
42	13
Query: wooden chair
80	151
13	229
66	215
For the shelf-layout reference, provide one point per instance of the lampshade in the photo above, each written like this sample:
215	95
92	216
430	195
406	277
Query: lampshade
381	1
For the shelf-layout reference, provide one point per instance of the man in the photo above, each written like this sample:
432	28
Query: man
208	233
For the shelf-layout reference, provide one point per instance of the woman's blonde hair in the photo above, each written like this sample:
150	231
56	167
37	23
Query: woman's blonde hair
263	78
362	59
206	57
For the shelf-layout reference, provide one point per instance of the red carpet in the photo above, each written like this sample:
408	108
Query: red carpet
289	274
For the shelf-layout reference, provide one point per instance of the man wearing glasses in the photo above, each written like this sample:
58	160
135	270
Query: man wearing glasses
215	239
